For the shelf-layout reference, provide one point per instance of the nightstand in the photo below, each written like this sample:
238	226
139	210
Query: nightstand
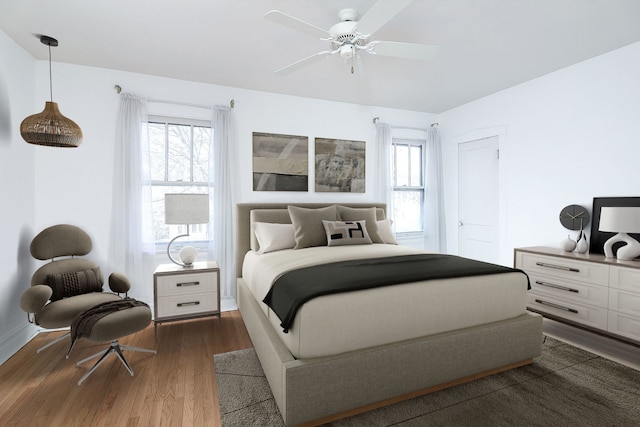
186	292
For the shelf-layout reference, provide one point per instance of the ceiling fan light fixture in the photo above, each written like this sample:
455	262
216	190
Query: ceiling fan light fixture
348	51
49	127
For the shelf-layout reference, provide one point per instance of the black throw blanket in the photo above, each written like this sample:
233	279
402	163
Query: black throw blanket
83	324
294	288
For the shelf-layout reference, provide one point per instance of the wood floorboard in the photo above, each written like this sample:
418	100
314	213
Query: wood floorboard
175	387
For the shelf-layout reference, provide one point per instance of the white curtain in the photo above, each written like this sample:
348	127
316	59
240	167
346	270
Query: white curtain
435	238
383	173
222	189
132	247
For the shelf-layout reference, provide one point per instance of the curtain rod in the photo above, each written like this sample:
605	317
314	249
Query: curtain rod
377	119
232	103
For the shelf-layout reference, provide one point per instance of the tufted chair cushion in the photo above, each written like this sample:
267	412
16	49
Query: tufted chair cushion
60	314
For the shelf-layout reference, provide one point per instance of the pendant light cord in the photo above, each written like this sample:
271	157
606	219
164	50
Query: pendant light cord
50	78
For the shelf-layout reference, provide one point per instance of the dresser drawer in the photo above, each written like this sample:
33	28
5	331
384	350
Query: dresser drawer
565	268
187	304
624	325
624	302
595	317
181	284
627	279
584	293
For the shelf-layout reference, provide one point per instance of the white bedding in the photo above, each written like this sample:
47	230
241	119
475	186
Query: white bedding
339	323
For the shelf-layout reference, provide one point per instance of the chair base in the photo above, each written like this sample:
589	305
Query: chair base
57	340
116	348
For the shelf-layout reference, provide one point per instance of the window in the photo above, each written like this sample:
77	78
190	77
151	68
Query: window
179	164
407	174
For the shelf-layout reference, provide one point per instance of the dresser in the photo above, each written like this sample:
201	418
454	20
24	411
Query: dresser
186	292
584	289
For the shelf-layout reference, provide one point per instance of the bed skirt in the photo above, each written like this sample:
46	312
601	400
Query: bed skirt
307	390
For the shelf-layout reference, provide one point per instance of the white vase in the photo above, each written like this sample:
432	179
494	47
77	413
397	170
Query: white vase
582	246
567	244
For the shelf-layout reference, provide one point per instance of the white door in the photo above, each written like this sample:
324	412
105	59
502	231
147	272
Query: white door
478	199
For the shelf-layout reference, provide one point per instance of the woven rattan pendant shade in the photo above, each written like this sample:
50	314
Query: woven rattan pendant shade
51	128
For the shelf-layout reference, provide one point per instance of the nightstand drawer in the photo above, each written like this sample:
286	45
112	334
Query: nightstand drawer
584	293
583	271
181	284
595	317
186	305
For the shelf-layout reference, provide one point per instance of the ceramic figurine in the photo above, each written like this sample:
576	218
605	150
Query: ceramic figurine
567	244
582	247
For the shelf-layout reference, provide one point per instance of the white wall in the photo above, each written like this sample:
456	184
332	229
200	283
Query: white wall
17	185
566	137
45	186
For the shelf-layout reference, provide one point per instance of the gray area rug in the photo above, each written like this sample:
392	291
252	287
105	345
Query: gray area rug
565	386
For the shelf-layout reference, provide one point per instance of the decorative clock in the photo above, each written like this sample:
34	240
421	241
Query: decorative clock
574	217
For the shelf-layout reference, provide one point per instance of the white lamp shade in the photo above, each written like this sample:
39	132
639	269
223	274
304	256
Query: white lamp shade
186	208
620	219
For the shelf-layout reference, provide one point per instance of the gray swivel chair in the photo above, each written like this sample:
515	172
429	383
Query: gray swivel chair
66	286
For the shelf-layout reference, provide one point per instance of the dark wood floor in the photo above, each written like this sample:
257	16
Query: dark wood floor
176	387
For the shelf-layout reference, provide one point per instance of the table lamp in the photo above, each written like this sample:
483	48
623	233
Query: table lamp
185	209
621	220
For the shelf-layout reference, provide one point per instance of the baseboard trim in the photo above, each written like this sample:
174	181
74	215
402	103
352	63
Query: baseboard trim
15	339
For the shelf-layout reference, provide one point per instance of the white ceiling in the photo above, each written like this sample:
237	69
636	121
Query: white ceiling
485	45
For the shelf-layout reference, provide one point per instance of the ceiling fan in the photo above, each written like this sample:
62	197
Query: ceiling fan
351	36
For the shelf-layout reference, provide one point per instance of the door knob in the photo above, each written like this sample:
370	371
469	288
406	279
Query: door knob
460	224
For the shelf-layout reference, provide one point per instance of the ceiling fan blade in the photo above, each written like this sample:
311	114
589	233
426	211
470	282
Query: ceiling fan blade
304	62
379	14
403	50
294	23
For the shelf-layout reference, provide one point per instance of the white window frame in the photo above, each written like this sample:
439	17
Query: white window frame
161	245
415	142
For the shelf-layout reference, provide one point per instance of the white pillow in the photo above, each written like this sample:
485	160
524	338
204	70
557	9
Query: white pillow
274	237
341	233
385	231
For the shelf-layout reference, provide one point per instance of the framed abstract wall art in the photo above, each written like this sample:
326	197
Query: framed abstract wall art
339	165
280	162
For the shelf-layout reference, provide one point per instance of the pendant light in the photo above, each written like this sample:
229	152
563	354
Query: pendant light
50	127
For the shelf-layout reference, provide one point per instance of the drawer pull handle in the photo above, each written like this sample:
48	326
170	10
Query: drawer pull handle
188	284
553	285
557	267
185	304
560	307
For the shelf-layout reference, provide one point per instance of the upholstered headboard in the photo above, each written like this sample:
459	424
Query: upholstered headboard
276	213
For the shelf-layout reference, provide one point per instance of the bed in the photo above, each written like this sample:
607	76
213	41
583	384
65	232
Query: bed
350	352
